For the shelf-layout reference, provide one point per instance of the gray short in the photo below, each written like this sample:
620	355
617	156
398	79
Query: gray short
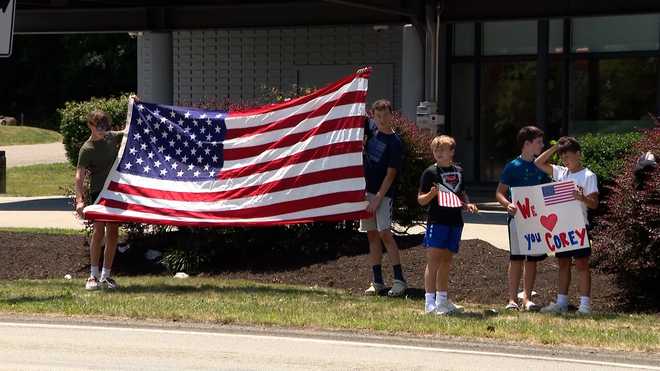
382	220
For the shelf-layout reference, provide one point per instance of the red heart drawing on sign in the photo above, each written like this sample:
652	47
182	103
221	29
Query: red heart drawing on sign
549	221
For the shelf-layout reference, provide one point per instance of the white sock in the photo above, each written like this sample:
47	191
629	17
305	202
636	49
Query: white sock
585	301
105	273
562	300
430	299
440	297
95	271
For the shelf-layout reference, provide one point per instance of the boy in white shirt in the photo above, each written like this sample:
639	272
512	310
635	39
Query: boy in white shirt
568	149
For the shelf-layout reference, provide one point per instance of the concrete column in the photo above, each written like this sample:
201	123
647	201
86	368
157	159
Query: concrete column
431	49
444	53
412	72
155	67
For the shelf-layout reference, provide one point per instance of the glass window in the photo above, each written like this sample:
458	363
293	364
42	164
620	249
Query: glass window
508	102
462	116
463	39
556	36
554	109
510	38
615	34
613	95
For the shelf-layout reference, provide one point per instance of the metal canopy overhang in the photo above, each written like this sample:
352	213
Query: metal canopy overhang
488	10
62	16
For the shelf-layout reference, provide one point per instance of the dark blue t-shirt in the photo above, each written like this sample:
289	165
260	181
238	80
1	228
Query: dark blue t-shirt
382	151
521	173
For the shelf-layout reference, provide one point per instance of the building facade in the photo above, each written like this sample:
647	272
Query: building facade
570	67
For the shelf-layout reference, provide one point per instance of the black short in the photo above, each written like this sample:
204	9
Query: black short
579	253
529	258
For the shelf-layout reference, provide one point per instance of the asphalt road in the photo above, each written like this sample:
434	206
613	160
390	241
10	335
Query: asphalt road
30	345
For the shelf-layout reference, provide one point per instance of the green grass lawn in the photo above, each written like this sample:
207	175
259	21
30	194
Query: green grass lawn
214	300
48	231
40	180
12	135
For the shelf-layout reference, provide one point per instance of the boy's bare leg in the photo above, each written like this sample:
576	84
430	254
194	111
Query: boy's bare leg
112	234
528	280
564	275
432	265
97	241
584	285
515	272
446	257
375	248
391	247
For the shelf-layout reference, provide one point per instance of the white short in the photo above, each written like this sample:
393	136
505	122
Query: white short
382	220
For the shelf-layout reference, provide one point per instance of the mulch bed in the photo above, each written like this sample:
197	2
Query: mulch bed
478	274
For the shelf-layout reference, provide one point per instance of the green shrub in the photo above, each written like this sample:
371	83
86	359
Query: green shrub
604	154
626	238
73	119
417	157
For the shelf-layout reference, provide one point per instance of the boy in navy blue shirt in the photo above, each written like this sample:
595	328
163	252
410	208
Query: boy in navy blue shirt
521	172
383	157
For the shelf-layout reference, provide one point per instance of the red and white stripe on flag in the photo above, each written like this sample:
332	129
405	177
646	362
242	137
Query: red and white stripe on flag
447	198
294	162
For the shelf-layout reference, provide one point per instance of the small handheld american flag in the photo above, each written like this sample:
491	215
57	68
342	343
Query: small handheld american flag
558	193
447	198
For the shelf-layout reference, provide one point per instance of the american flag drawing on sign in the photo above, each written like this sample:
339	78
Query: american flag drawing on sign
558	193
292	162
447	198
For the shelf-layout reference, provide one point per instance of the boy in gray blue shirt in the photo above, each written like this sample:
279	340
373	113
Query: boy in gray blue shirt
521	172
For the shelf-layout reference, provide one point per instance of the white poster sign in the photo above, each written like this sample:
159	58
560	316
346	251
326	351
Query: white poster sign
549	219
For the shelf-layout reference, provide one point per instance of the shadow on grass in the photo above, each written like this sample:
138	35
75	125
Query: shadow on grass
206	288
575	316
32	299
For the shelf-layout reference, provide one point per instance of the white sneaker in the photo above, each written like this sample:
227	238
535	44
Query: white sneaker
428	309
554	308
448	307
530	306
374	289
584	310
398	288
92	284
521	295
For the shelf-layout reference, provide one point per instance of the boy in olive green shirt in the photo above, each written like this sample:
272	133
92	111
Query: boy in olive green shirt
96	157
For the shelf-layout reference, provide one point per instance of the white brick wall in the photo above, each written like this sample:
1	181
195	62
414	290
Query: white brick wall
237	64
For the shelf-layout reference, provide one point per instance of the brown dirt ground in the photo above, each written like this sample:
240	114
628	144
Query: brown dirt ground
478	274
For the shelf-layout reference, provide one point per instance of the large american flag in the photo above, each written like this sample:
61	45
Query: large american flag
292	162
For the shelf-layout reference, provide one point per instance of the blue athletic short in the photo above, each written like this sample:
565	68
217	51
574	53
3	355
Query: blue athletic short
442	236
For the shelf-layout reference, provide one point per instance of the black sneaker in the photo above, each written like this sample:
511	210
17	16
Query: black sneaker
108	283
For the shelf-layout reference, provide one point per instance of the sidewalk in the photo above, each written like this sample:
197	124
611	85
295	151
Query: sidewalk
488	226
32	154
38	212
57	212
